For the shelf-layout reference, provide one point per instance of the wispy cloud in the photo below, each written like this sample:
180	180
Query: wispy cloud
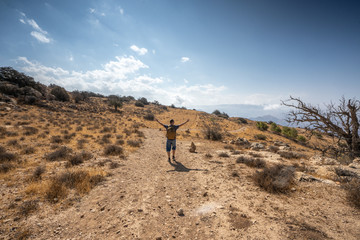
125	76
40	37
92	10
40	34
140	51
121	10
185	59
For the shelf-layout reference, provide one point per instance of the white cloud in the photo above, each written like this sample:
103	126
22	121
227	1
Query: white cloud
185	59
121	11
71	58
32	23
39	33
91	10
153	51
186	81
140	51
40	37
125	76
272	106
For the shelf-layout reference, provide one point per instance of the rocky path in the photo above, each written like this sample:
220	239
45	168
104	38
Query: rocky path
194	198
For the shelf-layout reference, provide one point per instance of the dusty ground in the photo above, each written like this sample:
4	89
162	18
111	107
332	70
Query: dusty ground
143	197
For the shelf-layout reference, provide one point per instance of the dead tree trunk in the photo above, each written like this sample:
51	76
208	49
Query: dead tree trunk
341	121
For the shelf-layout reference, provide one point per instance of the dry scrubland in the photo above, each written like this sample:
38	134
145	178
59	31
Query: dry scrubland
63	160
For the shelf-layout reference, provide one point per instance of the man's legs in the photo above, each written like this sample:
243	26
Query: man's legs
168	148
173	154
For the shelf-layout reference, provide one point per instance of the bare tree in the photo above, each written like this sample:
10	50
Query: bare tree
341	121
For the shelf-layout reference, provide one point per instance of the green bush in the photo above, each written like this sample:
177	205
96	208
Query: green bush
260	137
262	126
301	138
275	128
289	132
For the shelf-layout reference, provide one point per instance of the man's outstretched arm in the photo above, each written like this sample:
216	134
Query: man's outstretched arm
159	122
184	123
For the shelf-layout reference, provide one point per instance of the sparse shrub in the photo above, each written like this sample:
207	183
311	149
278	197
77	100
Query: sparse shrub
242	120
81	142
113	150
139	104
224	155
353	191
275	179
219	114
59	154
76	160
30	130
149	116
120	142
290	154
134	143
114	165
12	142
172	106
301	138
39	170
60	94
56	139
212	131
251	162
260	137
56	191
28	207
208	155
289	132
69	136
262	126
5	167
275	128
229	147
28	150
7	157
273	149
105	130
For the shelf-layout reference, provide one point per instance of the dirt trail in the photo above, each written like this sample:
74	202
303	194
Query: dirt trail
142	198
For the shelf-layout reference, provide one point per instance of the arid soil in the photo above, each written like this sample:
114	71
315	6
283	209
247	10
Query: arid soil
197	197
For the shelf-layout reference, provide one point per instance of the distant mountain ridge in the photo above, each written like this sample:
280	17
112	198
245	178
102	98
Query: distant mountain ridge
268	118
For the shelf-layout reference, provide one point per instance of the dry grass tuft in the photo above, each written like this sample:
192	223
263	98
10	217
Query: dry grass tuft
276	179
39	170
59	154
113	150
251	162
353	192
223	155
28	207
290	154
134	143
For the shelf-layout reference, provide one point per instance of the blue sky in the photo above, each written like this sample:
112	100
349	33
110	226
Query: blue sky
189	53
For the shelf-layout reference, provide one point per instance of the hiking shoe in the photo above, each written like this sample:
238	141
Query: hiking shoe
174	158
168	159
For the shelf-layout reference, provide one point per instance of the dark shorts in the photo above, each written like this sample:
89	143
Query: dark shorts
170	144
